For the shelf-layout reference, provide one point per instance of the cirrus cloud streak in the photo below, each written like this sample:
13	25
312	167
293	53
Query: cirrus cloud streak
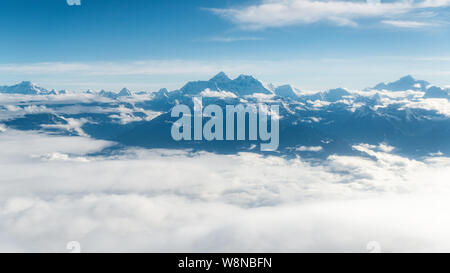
280	13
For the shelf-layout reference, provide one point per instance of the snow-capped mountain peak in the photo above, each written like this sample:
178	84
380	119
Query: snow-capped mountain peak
125	92
405	83
25	87
220	77
241	86
248	85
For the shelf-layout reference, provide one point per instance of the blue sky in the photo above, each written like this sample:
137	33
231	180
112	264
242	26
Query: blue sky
148	44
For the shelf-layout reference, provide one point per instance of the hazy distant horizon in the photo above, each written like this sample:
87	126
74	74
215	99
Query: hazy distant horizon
152	83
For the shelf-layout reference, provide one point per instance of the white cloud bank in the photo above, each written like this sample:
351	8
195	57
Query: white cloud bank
160	200
309	149
279	13
217	94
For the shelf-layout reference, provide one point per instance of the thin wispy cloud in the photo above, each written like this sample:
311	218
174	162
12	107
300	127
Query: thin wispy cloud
406	24
280	13
234	39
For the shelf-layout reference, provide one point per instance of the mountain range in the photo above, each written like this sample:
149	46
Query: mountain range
243	85
410	115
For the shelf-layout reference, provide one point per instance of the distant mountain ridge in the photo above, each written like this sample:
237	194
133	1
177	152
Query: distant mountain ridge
410	83
28	88
405	83
245	85
333	120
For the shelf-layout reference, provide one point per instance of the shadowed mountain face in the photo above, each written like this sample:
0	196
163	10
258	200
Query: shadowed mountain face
436	92
316	125
286	91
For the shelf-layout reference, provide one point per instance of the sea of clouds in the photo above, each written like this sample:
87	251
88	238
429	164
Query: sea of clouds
52	191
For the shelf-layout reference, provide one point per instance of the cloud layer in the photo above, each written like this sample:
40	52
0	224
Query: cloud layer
160	200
